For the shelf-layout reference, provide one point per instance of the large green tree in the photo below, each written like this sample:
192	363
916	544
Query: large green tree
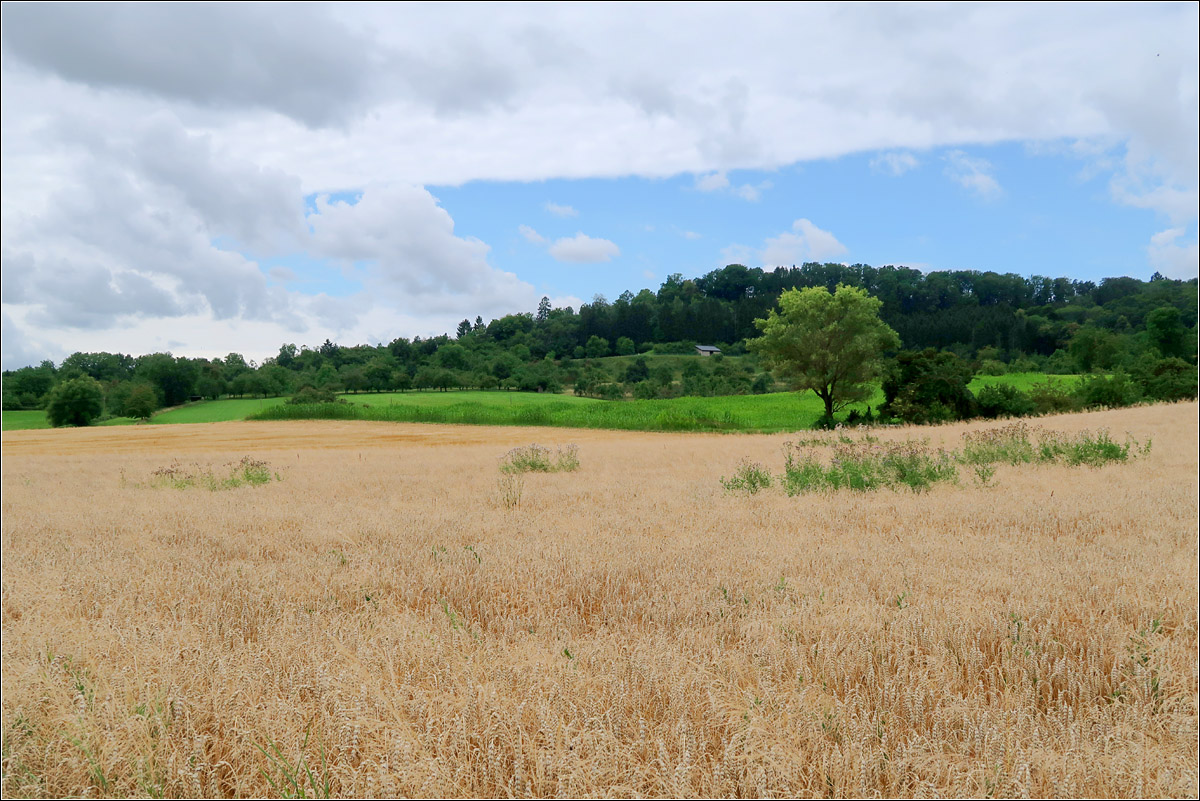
75	402
828	342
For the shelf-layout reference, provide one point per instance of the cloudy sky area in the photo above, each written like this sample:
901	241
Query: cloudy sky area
211	178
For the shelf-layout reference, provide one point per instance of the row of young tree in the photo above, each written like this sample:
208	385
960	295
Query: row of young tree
994	323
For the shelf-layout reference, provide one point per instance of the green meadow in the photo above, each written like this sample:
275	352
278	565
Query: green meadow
782	411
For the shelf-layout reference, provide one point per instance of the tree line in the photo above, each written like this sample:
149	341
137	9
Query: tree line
994	322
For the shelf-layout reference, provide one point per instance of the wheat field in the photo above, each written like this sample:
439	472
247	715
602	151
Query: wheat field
380	621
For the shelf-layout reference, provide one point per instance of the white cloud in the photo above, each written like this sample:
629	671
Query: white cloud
412	257
583	249
712	182
1171	254
894	163
719	182
805	242
531	235
561	211
691	235
155	155
973	174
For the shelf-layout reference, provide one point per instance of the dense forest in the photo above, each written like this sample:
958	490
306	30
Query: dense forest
995	322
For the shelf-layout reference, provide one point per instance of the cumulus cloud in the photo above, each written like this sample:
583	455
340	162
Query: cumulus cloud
894	163
719	182
410	253
301	62
561	211
1171	253
583	249
531	235
805	242
973	174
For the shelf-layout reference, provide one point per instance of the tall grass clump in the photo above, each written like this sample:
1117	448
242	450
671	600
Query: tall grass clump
749	478
538	459
1019	443
866	466
247	472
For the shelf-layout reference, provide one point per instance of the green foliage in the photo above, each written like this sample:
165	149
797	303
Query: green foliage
1107	391
537	459
1170	379
928	387
1002	400
1019	443
625	346
830	343
76	402
749	478
312	395
141	401
867	466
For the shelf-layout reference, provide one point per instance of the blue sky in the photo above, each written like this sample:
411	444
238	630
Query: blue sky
208	178
1045	214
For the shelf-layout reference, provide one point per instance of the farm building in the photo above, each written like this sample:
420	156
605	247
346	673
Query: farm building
707	350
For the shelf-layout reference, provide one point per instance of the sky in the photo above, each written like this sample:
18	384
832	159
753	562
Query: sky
215	178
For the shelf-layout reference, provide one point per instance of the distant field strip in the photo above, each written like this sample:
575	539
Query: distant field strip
784	411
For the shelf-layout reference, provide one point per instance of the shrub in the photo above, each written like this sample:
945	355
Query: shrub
1052	397
76	402
1002	400
1168	380
928	387
1109	391
313	395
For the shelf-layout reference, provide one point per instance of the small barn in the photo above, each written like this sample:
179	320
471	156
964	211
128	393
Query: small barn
707	350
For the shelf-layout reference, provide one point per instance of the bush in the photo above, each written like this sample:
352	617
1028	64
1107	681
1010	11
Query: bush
1052	397
76	402
1109	391
313	395
1002	400
928	387
1168	380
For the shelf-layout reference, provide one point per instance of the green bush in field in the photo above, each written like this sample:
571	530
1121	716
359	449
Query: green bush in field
1111	391
312	395
75	403
1053	397
1002	400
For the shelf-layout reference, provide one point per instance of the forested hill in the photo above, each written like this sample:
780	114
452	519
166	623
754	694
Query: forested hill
1001	322
963	309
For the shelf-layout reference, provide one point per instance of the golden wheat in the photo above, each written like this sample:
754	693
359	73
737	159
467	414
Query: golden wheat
385	615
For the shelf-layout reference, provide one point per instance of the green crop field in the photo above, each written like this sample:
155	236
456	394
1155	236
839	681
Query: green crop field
783	411
21	420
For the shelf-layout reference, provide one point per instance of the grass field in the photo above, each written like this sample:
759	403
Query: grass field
385	617
767	413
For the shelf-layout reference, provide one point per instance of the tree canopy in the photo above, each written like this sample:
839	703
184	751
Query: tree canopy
830	343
